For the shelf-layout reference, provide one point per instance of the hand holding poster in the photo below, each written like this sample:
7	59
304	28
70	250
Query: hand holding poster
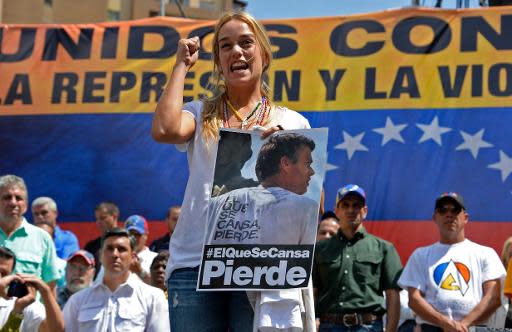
262	216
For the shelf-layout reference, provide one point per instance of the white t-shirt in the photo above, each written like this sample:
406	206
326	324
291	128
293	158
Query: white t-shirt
33	314
187	240
259	215
450	277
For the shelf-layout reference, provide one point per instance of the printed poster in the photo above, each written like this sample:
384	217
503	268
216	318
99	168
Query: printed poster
263	210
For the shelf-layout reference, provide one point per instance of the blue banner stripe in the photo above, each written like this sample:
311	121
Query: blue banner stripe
403	159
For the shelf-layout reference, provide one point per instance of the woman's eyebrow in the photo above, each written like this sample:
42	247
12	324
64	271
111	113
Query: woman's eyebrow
241	36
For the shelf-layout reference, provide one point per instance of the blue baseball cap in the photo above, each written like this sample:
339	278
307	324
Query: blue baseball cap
450	196
136	223
350	189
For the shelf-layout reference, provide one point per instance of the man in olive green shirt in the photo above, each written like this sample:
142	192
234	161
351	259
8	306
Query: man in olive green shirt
353	270
34	248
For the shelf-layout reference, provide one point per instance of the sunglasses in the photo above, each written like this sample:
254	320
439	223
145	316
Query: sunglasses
446	209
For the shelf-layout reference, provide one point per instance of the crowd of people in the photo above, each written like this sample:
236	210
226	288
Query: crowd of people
358	278
47	283
119	283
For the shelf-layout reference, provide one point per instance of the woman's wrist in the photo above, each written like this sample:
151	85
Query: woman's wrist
180	67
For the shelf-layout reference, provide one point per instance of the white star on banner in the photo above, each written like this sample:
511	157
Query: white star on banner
330	167
473	143
432	131
391	131
504	165
351	144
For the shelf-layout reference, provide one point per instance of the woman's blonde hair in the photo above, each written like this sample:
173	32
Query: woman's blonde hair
504	253
212	114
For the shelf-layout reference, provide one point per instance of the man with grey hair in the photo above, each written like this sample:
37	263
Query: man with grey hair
33	246
44	211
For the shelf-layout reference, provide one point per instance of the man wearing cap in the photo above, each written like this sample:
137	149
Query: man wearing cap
137	226
454	283
352	270
79	275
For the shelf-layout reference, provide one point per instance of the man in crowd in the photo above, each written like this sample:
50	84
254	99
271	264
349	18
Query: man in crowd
454	283
353	269
79	275
24	313
328	226
44	211
137	226
162	244
107	215
33	247
158	271
59	262
120	300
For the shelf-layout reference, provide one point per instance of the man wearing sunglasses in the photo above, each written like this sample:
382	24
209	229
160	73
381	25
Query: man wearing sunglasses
454	283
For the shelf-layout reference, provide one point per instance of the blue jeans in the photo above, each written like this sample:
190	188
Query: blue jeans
375	326
407	326
220	311
430	328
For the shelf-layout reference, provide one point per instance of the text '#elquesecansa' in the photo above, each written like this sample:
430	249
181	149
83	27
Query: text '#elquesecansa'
255	267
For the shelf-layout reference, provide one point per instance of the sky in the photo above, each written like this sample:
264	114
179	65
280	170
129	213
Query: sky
267	9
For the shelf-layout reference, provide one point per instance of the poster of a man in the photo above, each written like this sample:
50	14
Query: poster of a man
264	233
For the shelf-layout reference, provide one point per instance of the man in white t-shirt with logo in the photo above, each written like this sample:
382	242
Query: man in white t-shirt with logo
454	283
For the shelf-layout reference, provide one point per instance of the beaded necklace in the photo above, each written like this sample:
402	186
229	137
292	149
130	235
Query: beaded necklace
263	108
238	115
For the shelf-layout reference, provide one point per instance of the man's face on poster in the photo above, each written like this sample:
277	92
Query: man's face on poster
299	173
234	151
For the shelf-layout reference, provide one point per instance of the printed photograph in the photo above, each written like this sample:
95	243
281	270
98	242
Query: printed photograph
263	211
